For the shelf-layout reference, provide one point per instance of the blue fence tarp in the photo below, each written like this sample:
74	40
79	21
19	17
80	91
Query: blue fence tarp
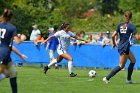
83	55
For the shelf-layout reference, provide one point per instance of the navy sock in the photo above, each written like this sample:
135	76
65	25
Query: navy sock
13	82
130	70
113	72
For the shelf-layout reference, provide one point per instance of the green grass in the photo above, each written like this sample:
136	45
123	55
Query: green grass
32	80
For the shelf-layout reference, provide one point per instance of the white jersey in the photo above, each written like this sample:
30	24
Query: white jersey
34	34
64	39
106	40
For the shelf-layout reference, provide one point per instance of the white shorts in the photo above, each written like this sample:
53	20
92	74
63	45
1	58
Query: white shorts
61	51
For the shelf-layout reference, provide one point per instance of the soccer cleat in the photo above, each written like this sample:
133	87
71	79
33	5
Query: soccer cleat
45	69
73	75
105	80
130	82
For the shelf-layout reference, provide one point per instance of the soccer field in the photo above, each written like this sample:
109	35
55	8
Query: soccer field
32	80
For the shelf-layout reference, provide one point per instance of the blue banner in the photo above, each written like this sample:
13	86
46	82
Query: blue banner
83	55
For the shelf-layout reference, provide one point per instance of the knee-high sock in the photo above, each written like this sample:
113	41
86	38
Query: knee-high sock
113	72
70	67
52	63
13	82
130	70
2	76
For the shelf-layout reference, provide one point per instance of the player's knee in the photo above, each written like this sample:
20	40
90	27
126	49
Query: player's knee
70	59
1	70
133	61
59	60
13	72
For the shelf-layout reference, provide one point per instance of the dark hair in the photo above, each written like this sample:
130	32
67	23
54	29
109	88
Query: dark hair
6	16
82	32
128	14
64	25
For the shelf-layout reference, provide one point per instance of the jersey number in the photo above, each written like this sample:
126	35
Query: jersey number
2	33
123	30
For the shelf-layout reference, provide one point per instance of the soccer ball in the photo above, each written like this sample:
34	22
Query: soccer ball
92	73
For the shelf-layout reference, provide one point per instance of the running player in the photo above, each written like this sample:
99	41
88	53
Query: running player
7	34
64	41
12	70
125	30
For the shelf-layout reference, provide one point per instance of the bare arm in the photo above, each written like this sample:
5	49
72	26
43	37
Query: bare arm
18	53
49	38
113	39
17	40
107	43
79	38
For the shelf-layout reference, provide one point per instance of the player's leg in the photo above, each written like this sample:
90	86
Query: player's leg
131	66
2	75
3	71
51	59
13	77
70	66
55	61
123	59
51	54
59	58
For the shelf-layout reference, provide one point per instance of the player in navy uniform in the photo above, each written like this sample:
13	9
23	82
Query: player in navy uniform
125	30
7	35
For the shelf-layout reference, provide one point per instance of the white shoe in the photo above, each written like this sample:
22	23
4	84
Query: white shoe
130	82
105	80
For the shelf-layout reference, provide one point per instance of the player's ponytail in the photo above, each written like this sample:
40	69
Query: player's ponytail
64	25
6	16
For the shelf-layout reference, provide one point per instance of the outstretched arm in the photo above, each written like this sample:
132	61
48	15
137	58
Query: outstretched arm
18	53
79	38
49	38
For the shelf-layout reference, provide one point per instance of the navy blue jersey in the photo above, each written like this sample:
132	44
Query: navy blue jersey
7	32
125	36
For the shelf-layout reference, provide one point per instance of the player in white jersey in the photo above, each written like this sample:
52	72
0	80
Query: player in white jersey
63	36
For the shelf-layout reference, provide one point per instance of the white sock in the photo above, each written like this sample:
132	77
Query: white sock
70	67
2	76
52	63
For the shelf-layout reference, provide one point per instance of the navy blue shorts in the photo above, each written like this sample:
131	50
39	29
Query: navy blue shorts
5	61
124	51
